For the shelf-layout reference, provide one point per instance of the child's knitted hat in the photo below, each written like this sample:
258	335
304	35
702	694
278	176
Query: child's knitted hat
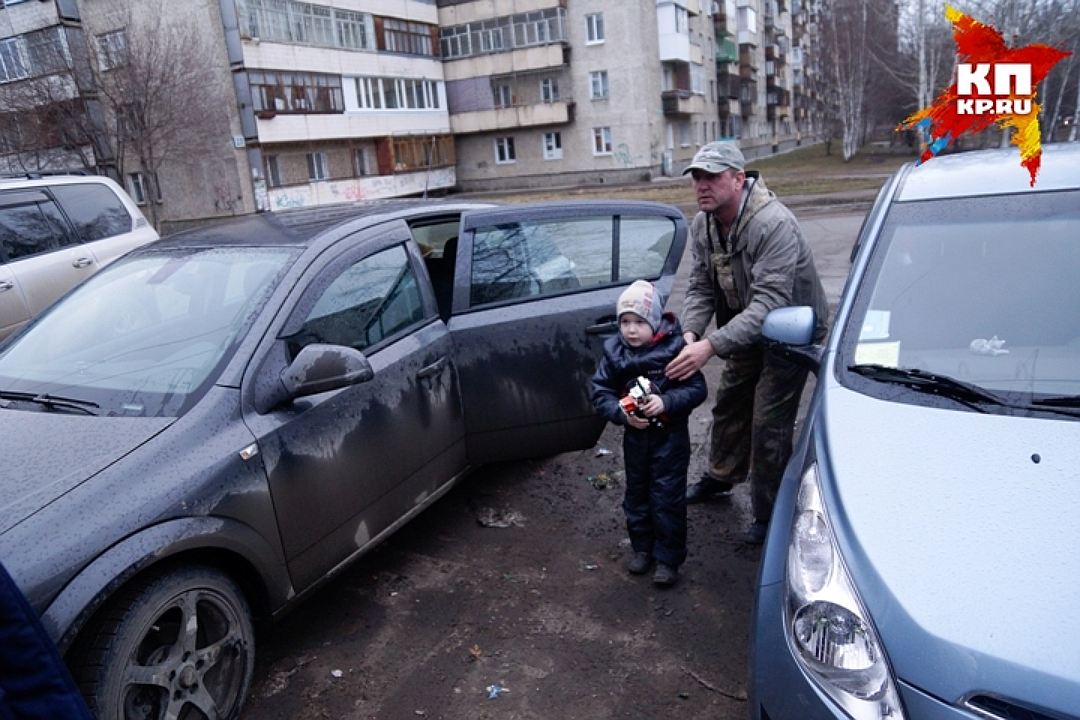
641	299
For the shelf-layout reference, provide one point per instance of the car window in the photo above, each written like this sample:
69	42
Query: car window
982	290
644	244
544	257
146	335
31	229
94	209
372	300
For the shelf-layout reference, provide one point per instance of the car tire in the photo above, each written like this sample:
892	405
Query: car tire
137	661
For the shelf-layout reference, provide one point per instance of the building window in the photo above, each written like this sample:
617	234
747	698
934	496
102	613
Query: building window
549	90
601	141
112	49
747	19
359	162
419	153
316	166
540	27
396	93
553	146
13	65
594	28
697	79
137	188
410	38
504	98
504	151
289	21
369	93
684	134
682	21
273	171
598	85
292	92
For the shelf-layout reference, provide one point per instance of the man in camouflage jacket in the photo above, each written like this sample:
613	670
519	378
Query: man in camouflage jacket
748	258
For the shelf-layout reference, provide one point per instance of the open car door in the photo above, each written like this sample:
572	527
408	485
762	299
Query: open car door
534	299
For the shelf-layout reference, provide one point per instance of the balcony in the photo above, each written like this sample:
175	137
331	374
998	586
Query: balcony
748	58
682	102
541	57
299	127
776	83
775	52
727	85
726	50
510	118
777	112
777	97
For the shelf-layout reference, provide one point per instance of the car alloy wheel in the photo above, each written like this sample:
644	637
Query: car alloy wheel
175	645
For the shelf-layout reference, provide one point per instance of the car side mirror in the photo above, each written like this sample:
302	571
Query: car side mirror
319	368
789	331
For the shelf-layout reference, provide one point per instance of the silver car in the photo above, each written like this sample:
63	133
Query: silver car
921	561
55	232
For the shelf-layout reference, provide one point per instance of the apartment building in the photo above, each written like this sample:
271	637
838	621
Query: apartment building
291	103
757	60
340	101
546	92
43	53
296	103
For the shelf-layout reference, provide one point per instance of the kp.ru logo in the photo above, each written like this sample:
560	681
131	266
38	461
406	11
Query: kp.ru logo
1010	80
994	84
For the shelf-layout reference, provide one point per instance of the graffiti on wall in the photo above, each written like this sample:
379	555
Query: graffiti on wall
359	189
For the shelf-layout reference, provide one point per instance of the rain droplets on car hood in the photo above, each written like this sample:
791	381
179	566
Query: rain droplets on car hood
45	454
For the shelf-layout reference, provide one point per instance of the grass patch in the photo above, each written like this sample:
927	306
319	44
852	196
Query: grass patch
871	158
806	171
819	185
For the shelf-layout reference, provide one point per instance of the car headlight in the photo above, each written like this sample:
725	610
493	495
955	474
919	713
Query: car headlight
828	630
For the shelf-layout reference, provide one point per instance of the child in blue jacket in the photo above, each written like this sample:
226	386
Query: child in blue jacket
656	443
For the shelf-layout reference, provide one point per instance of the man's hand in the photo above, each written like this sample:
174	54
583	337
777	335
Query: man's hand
692	358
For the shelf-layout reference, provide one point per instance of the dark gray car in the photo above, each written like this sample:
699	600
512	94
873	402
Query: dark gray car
283	392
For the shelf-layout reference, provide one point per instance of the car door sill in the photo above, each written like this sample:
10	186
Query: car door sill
375	541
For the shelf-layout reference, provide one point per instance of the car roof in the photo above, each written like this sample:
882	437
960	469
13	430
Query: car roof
300	227
990	172
33	180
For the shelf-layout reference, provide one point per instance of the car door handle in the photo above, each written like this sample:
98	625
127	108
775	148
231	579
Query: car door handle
81	262
6	285
433	369
602	328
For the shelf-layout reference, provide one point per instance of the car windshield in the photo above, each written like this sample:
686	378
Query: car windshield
985	291
144	336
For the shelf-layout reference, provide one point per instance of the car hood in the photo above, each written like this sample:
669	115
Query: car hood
960	532
45	454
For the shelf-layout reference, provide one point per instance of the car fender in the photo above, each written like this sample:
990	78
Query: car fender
223	538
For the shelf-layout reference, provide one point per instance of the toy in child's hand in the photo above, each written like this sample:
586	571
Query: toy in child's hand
637	394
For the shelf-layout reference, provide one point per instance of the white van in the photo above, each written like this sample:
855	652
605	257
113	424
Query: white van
55	232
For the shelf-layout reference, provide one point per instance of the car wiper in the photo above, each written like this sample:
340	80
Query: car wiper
931	383
1064	401
51	401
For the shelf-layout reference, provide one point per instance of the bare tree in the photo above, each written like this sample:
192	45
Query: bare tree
147	100
846	57
155	80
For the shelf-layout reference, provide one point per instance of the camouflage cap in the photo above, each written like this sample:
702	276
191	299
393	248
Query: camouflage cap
716	157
